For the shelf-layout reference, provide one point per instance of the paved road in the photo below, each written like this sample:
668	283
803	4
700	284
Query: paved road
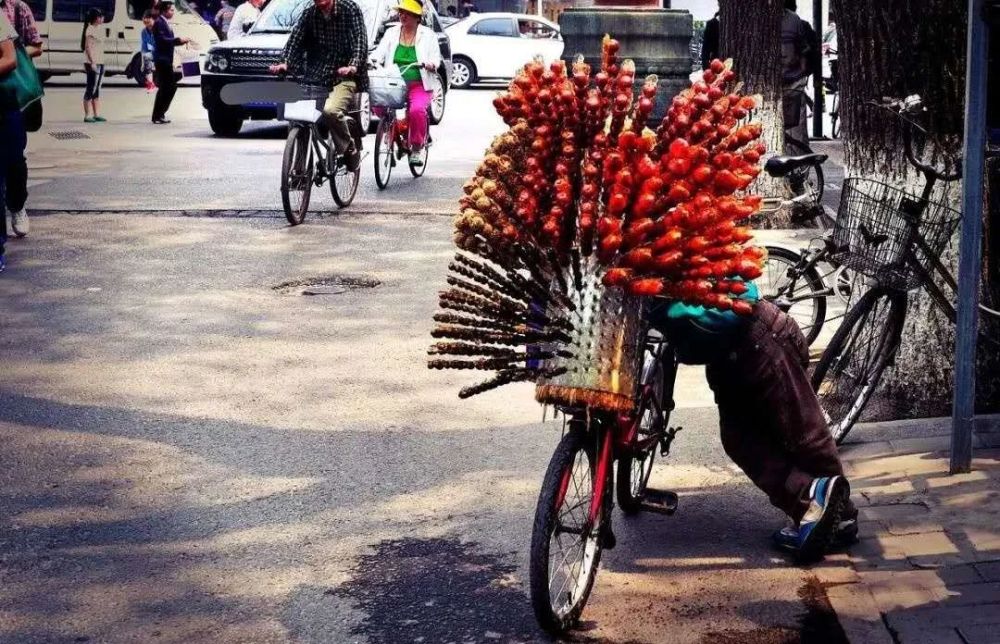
130	164
196	452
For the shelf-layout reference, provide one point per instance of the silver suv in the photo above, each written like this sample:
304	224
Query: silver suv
247	60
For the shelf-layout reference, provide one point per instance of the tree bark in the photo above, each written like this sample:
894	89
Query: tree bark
750	34
895	48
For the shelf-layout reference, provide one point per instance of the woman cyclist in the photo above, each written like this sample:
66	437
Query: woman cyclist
414	49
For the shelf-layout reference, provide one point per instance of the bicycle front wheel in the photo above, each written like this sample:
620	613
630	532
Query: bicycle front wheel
417	169
297	174
851	367
565	546
384	151
801	295
344	185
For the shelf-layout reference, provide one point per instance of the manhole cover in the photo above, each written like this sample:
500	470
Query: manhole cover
326	285
66	135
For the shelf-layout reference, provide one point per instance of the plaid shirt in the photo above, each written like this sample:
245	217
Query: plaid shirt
19	15
320	44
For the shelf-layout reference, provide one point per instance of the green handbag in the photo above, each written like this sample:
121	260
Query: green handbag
21	87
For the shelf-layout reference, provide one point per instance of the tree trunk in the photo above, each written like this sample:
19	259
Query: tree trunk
895	48
750	34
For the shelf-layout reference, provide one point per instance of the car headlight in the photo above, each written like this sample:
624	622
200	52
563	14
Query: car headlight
216	63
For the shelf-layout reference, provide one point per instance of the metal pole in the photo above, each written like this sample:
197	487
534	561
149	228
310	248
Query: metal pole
971	241
818	76
539	11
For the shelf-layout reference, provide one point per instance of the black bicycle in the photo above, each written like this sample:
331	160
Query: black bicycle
895	240
311	158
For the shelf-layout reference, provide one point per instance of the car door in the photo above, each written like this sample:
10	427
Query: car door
66	28
491	42
538	38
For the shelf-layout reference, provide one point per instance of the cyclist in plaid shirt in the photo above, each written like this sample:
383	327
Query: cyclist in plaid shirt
329	47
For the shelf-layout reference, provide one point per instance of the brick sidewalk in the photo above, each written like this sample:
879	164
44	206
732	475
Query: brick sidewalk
927	568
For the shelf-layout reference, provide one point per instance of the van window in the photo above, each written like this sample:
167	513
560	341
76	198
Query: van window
76	10
37	9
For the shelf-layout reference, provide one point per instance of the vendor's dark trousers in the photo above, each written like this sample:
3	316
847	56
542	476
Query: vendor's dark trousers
772	425
166	83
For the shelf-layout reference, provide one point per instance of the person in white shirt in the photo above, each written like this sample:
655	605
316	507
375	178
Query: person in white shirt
246	14
92	44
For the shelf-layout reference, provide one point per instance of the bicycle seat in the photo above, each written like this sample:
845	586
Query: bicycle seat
779	166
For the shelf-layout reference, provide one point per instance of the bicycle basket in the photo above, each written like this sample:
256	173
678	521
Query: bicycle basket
875	234
386	88
606	347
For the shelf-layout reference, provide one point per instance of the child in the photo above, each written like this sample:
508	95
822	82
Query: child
92	44
148	47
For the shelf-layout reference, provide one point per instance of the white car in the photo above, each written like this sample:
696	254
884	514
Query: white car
488	46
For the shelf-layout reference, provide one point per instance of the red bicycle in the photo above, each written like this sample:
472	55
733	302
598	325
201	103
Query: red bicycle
392	144
573	516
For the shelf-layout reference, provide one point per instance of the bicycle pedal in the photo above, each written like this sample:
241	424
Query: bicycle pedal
659	501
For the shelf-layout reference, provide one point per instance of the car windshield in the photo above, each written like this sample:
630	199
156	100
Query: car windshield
281	15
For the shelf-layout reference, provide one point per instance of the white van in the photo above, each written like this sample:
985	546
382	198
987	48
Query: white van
60	23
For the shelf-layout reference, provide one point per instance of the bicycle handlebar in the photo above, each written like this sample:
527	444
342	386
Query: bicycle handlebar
905	109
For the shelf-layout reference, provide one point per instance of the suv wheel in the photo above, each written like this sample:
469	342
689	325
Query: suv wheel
463	72
436	108
225	121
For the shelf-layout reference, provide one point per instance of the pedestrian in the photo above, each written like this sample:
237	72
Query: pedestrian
770	420
413	48
163	61
800	57
20	17
92	44
148	48
328	46
246	14
12	131
224	18
710	42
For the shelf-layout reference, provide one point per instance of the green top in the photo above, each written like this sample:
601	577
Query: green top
407	56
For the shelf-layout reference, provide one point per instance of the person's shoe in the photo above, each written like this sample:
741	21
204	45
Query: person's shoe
19	222
89	119
822	522
100	119
161	121
150	86
352	159
416	159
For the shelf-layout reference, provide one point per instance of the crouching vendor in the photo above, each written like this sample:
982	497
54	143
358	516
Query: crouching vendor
770	420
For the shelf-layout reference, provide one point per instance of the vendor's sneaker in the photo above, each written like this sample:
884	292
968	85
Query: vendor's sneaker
19	222
822	523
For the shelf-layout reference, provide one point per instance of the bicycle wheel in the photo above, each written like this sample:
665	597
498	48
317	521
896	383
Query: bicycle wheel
344	184
807	180
418	170
635	469
297	174
385	143
565	547
835	116
800	295
852	365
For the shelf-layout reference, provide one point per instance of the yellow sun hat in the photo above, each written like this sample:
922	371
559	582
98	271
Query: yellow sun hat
411	6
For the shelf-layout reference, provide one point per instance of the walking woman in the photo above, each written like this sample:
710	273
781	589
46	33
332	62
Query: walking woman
408	43
12	134
92	44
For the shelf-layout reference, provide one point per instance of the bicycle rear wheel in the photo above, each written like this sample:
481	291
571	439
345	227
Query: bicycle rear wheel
297	174
384	150
835	116
807	180
802	296
851	367
565	546
634	469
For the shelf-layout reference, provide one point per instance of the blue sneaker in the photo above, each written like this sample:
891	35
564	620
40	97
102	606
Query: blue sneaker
822	522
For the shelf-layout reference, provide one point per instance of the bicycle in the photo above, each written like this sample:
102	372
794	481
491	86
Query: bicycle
895	240
310	157
392	144
830	84
572	523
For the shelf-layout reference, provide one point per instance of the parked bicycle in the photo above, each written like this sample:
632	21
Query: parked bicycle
573	516
311	158
895	240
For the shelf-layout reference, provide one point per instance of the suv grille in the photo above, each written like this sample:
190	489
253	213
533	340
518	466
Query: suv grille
253	61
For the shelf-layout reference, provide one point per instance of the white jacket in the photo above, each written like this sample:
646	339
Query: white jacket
428	51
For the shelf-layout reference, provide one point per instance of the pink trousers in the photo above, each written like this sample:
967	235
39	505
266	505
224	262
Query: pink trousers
416	113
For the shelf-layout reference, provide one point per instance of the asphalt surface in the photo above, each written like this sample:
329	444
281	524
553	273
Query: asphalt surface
195	451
